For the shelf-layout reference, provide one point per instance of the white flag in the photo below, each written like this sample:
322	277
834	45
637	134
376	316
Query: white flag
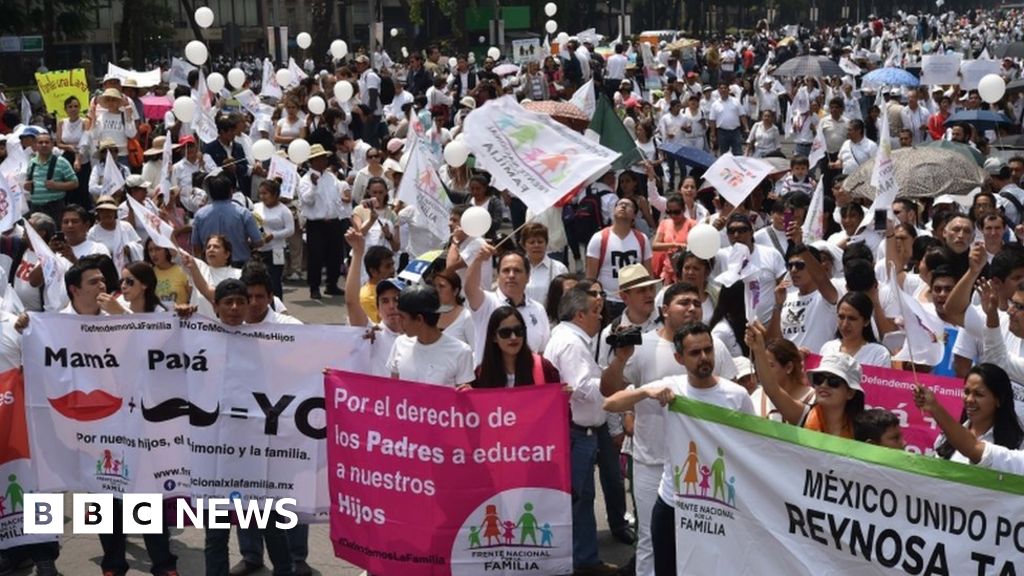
883	173
166	163
26	110
179	71
735	177
269	85
584	99
288	172
421	187
55	293
113	178
926	334
159	231
535	158
814	221
818	147
298	74
10	203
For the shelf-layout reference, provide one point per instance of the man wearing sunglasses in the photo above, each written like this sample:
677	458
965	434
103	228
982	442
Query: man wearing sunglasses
767	263
805	313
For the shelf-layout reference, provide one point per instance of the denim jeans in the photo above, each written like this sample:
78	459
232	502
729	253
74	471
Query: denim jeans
250	543
216	550
612	484
663	538
730	140
584	523
803	149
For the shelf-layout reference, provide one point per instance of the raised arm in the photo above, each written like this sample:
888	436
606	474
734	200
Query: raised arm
356	315
962	439
474	292
792	410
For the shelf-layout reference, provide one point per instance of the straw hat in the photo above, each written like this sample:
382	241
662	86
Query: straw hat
107	144
112	93
316	151
106	203
157	146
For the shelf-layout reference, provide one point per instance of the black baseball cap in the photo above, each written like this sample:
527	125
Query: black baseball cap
421	299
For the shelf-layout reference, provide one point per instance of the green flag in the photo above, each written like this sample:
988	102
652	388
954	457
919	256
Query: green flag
614	135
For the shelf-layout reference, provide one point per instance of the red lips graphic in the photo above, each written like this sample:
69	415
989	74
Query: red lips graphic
86	406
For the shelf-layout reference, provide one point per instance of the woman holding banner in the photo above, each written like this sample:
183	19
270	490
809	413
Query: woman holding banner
508	360
854	334
988	412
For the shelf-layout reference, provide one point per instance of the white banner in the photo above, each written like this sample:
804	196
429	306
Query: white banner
288	172
526	50
735	177
153	403
940	69
157	229
421	187
10	204
530	154
143	79
752	496
972	71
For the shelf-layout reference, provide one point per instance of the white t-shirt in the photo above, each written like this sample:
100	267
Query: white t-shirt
619	253
383	342
541	277
770	266
809	320
115	240
31	297
88	247
446	362
870	354
538	329
468	252
463	328
725	393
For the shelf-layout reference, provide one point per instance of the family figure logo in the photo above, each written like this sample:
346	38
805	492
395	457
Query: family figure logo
553	166
112	471
13	498
497	532
705	495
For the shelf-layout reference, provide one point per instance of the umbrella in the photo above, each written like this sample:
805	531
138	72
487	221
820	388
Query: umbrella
154	107
690	156
813	66
414	270
787	41
506	69
1015	86
1011	50
562	112
890	77
959	148
982	119
1016	141
681	44
925	172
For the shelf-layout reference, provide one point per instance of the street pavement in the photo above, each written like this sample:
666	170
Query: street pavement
81	554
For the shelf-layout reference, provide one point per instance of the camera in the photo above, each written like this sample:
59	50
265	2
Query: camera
629	336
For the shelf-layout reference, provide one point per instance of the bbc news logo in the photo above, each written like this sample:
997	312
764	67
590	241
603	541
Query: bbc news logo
144	513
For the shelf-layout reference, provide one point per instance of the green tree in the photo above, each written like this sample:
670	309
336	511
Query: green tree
54	20
142	23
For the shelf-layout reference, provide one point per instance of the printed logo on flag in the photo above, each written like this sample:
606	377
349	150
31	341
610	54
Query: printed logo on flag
112	470
514	532
705	493
12	505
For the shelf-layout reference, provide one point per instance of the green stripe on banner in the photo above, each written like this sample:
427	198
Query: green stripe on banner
905	461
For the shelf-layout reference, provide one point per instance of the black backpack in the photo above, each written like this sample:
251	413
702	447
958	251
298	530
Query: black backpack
387	90
585	216
50	168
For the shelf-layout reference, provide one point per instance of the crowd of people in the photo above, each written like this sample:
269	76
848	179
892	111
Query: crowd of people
603	294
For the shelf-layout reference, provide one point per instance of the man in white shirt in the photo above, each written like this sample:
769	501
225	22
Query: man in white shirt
382	335
569	350
695	124
320	201
727	118
637	291
695	351
615	247
86	287
261	297
369	93
118	236
615	69
1009	196
857	149
671	128
393	112
425	354
807	316
915	119
74	225
768	266
513	276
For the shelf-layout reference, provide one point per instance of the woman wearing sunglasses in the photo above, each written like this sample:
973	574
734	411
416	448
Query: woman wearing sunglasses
670	237
854	335
507	360
138	291
839	397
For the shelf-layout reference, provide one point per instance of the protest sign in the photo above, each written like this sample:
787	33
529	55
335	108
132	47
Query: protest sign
429	480
972	71
288	172
785	500
56	87
143	79
421	187
530	154
940	69
735	177
893	390
158	404
526	50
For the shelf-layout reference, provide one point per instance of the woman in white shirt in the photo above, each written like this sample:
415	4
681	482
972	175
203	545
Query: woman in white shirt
988	412
543	268
292	124
278	226
72	140
764	137
855	336
113	118
457	322
373	168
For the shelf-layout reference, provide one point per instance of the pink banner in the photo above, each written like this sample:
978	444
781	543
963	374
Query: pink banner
427	480
893	390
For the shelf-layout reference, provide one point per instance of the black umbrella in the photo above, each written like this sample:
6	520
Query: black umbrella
1015	86
1011	50
813	66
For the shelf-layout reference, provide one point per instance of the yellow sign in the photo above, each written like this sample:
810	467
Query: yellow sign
56	87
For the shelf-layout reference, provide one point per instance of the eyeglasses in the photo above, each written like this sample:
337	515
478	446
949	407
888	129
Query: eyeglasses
512	331
597	293
830	381
676	212
129	282
738	230
796	265
1016	306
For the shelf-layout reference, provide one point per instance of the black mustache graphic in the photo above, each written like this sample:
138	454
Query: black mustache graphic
178	407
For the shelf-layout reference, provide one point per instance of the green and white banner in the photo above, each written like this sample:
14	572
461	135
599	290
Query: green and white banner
755	497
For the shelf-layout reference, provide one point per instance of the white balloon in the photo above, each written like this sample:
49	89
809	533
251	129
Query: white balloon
339	49
704	240
471	58
550	26
453	62
493	53
343	90
456	153
284	77
992	87
236	78
405	52
196	52
298	151
394	32
476	221
204	17
304	40
215	82
262	150
184	108
316	105
562	37
550	9
482	39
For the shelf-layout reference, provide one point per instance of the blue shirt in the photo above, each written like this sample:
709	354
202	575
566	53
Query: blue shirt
231	220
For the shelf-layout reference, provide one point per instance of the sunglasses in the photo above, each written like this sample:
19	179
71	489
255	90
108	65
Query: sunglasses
674	212
739	230
128	282
597	293
830	381
796	265
512	331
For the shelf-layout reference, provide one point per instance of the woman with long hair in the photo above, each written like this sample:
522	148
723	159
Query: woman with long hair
782	363
207	274
71	140
172	283
988	412
559	285
138	292
854	334
729	320
456	322
292	124
507	360
670	238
